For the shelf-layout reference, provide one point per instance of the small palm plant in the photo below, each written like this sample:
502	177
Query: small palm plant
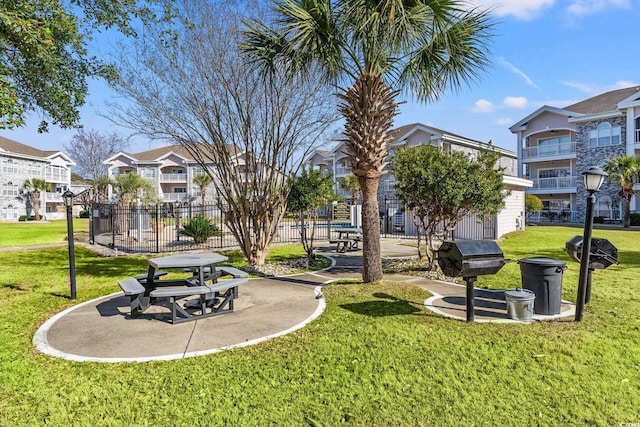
200	229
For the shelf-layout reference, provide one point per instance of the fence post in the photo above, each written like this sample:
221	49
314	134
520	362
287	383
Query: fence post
113	225
157	234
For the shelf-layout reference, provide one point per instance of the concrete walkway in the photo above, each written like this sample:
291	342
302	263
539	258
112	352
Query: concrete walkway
101	330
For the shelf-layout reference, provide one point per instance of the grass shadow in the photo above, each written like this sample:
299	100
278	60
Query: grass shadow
388	305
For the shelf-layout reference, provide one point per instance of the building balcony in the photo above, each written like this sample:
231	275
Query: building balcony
566	184
173	177
175	197
637	136
56	177
549	152
52	196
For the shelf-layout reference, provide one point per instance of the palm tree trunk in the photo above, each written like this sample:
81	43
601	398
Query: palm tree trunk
371	264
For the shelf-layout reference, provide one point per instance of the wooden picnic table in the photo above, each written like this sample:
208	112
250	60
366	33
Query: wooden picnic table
348	239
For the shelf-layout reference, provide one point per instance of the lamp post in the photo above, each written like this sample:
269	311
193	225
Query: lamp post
593	179
68	202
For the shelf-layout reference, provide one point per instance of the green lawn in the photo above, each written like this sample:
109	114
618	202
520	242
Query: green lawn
376	357
38	232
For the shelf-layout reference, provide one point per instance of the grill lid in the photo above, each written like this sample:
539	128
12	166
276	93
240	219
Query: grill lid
603	253
470	258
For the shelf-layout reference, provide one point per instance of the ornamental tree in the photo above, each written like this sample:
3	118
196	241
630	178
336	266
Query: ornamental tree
442	188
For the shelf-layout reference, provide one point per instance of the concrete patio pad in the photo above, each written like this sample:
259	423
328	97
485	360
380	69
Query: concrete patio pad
102	330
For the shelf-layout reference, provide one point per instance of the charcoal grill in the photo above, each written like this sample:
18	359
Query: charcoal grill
603	255
469	259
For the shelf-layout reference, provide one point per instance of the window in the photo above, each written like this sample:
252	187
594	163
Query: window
10	212
604	135
177	170
56	173
33	170
148	172
10	189
179	190
197	170
9	166
554	146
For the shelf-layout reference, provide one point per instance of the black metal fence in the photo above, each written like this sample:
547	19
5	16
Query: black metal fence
155	228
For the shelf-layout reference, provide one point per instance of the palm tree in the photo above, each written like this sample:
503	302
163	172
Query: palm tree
373	50
100	187
202	180
129	187
624	171
350	183
34	187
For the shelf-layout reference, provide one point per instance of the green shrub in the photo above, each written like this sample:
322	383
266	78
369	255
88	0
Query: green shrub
84	213
598	220
635	219
200	228
22	218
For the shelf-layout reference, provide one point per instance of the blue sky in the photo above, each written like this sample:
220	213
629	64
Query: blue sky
545	52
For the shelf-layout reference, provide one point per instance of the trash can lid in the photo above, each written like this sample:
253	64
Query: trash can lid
519	294
543	261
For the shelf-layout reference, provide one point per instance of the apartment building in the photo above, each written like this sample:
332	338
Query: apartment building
556	145
171	169
511	218
19	162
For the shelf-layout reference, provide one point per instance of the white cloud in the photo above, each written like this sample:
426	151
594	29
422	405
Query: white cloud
517	71
503	121
520	9
593	90
587	7
516	102
483	106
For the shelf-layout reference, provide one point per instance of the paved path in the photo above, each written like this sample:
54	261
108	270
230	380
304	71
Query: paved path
101	330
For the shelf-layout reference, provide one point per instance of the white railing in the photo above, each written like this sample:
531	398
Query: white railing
52	196
555	150
343	170
637	140
173	177
56	177
175	197
555	183
553	216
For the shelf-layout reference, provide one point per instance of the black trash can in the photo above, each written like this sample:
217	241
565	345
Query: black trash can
543	276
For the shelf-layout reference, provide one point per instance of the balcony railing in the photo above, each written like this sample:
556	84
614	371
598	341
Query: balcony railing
173	177
175	197
56	177
637	140
343	170
556	150
555	183
52	196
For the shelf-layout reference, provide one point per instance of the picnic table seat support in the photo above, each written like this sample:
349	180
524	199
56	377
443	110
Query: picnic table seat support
211	300
342	245
135	291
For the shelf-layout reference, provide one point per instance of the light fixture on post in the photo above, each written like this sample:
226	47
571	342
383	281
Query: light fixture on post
593	179
68	196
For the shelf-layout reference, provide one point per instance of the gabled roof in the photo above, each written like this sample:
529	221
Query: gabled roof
158	154
604	102
543	109
11	146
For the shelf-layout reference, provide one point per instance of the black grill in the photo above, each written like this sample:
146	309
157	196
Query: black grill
469	259
603	253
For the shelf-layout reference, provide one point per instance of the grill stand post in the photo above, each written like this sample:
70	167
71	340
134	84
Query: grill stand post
470	295
587	295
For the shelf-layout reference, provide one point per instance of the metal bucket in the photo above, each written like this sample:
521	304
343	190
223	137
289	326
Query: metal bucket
520	304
